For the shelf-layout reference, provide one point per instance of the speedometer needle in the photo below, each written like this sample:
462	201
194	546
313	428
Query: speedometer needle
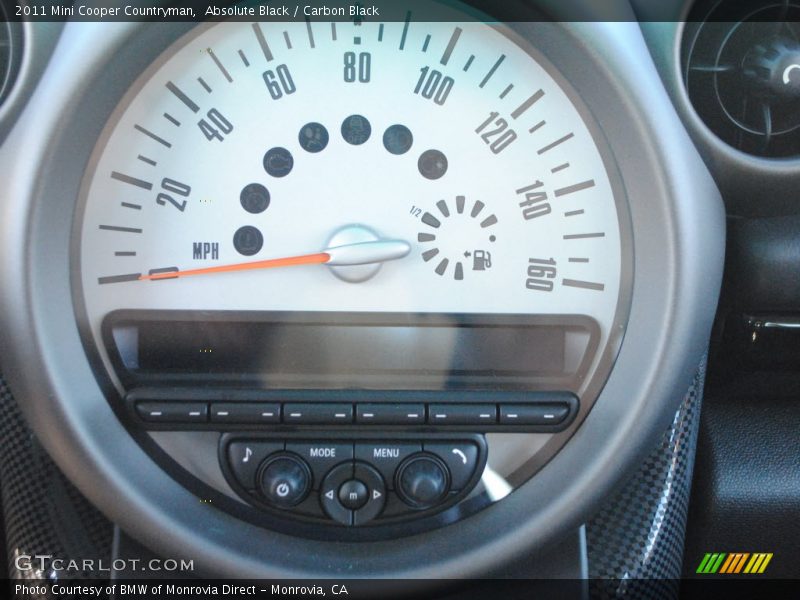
362	253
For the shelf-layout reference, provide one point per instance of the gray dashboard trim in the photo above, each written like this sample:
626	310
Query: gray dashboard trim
679	250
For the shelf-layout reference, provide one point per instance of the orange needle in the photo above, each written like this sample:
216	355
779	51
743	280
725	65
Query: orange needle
272	263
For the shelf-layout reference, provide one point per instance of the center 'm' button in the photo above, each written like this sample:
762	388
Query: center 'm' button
385	456
353	494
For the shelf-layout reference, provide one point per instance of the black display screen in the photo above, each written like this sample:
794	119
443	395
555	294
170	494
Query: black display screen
348	349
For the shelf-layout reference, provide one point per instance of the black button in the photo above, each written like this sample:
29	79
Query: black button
461	459
285	480
245	412
245	457
353	494
376	493
321	457
386	456
533	414
390	414
422	481
462	414
318	414
172	412
329	496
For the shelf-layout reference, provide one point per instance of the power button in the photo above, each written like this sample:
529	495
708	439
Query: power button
285	480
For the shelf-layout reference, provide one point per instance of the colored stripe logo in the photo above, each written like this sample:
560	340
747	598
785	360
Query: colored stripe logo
734	562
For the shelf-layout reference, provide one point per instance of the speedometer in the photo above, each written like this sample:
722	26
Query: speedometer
367	167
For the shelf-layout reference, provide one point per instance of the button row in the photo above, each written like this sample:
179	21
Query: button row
551	413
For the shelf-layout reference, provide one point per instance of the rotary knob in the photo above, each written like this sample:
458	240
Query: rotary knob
773	69
285	480
422	481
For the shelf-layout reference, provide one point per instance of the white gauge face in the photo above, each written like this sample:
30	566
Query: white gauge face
447	148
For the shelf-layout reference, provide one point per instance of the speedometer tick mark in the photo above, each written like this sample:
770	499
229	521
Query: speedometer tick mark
494	68
149	161
120	229
573	213
244	58
380	32
145	185
571	189
262	42
469	62
287	40
536	127
429	219
579	260
586	285
131	205
124	253
206	87
426	42
119	278
533	99
333	31
310	33
450	46
560	168
405	31
182	96
505	92
219	64
583	236
556	143
152	135
172	119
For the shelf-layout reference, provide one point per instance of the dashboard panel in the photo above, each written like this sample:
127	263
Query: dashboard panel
365	287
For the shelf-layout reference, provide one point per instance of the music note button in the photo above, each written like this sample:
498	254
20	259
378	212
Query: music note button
244	458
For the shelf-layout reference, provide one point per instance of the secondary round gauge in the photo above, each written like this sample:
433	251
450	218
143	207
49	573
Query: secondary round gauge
366	167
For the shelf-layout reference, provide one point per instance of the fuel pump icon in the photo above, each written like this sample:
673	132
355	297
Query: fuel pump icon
481	260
